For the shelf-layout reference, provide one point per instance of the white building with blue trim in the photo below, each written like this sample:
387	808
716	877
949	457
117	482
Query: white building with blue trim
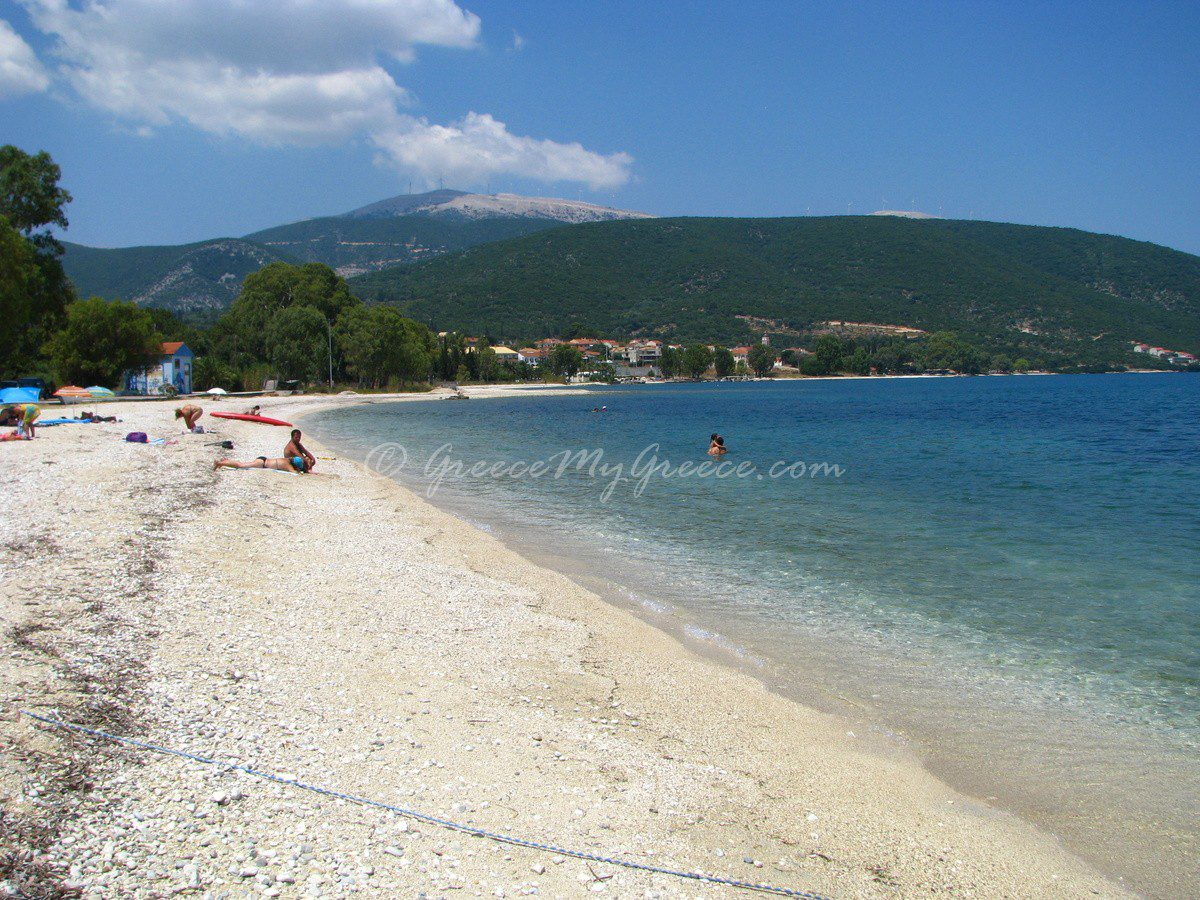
173	367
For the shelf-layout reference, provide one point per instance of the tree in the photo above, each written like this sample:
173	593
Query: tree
859	362
378	343
696	360
565	360
34	294
295	343
171	328
1001	363
450	354
30	197
605	372
34	290
489	365
829	352
275	287
670	363
814	366
944	350
893	358
412	357
101	340
724	362
761	359
210	372
361	345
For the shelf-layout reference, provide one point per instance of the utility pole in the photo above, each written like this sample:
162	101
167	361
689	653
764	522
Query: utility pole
329	328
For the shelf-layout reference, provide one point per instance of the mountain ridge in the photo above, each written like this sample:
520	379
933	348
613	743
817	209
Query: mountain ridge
193	280
1021	289
189	278
492	206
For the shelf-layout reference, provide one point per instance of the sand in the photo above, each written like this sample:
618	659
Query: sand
340	630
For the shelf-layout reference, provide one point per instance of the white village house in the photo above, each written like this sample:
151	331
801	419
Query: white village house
173	367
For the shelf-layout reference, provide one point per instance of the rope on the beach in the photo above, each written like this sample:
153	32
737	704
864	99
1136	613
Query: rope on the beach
434	820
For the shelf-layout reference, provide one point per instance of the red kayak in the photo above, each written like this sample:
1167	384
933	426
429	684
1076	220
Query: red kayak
262	420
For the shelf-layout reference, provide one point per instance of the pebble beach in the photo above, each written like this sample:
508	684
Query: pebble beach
337	630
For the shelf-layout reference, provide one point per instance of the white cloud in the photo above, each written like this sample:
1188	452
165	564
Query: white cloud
294	72
270	108
276	35
20	71
468	151
276	71
518	42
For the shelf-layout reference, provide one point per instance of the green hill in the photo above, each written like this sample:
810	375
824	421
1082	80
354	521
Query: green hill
194	280
1045	291
354	245
199	280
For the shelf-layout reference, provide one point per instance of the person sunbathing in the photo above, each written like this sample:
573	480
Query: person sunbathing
282	464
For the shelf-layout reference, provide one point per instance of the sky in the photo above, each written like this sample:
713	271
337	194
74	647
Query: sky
182	120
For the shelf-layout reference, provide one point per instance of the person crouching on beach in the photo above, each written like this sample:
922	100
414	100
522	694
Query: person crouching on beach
22	415
288	464
190	413
296	449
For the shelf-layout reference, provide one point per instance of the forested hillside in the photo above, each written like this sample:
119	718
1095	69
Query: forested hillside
1017	289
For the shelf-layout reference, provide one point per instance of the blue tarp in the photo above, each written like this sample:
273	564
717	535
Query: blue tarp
19	395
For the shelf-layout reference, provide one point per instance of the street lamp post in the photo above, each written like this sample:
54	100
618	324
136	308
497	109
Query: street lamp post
329	328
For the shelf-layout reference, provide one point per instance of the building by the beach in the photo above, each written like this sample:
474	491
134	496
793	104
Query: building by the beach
172	368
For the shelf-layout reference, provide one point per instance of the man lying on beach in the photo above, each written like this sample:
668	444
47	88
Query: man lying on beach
294	448
190	413
289	464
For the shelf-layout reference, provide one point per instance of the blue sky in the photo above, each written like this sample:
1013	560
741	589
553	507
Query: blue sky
179	120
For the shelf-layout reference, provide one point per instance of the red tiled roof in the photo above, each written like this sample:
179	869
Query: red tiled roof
170	348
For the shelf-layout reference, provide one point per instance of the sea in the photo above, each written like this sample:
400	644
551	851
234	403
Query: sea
997	575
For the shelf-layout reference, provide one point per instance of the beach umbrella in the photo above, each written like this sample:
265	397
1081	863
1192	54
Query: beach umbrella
98	392
72	393
19	395
216	391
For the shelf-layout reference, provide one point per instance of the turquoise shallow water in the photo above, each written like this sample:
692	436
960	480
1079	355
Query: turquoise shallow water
1004	573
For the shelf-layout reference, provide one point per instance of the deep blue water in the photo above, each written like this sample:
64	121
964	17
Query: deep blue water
1023	541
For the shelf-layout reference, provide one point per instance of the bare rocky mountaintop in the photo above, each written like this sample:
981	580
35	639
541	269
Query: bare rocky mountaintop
493	206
